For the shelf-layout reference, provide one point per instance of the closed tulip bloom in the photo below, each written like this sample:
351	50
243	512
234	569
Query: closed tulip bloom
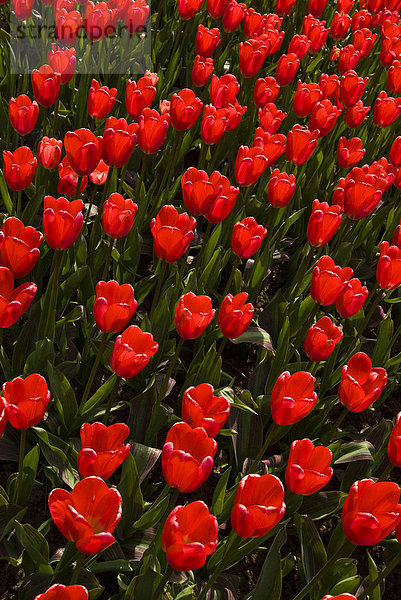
13	301
273	146
185	109
68	24
363	40
132	351
266	90
388	272
235	316
351	88
83	149
305	98
395	152
102	449
201	71
46	85
223	90
308	467
188	8
301	144
119	140
19	249
206	41
26	400
360	385
140	94
23	114
287	67
68	179
394	78
99	20
350	152
293	397
233	15
3	415
371	511
187	457
362	193
299	45
247	237
88	515
101	100
249	165
345	596
215	8
49	152
323	223
100	174
328	280
192	315
189	536
315	31
386	110
281	188
22	9
235	112
114	306
19	168
62	221
118	215
225	199
329	86
152	130
258	505
199	191
252	55
136	15
270	118
316	7
321	339
339	26
59	591
348	58
200	408
394	443
63	61
355	115
172	233
323	118
351	298
213	124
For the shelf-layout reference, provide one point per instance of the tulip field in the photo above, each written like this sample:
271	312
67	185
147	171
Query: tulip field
200	300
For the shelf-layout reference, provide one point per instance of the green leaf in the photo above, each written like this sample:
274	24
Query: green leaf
29	470
374	594
255	335
355	451
5	194
219	493
36	545
38	359
131	494
101	394
269	583
313	552
63	392
9	513
152	516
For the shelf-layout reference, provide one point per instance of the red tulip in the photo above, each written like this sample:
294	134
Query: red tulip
386	110
299	45
26	400
140	94
152	130
225	199
188	8
351	88
187	457
287	67
348	58
23	114
172	233
102	449
394	443
280	189
68	24
100	174
206	41
329	86
349	152
46	85
216	8
189	536
199	191
185	109
233	15
363	40
101	100
19	249
3	415
360	385
63	61
59	591
395	152
328	280
254	23
362	193
13	301
284	7
323	118
345	596
247	237
118	215
315	31
99	20
265	90
371	511
351	298
62	221
388	272
355	115
68	179
301	144
119	140
249	165
49	152
22	9
270	118
273	146
88	515
252	55
390	49
213	124
223	90
308	467
19	168
316	7
200	408
339	26
136	15
345	6
201	71
394	78
83	149
321	339
132	351
258	505
192	315
114	306
307	95
292	397
235	316
323	223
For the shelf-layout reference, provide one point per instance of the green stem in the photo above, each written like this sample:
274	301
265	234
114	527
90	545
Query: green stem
77	569
234	268
304	266
272	431
205	240
53	131
92	198
386	472
96	225
378	297
17	494
202	156
94	368
108	258
221	348
50	325
165	579
77	189
159	284
231	547
111	399
394	563
337	423
141	177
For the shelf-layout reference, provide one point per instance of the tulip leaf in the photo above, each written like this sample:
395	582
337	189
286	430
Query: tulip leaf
211	272
29	470
5	194
145	458
36	545
101	394
81	280
131	494
355	451
269	583
255	335
375	593
9	513
64	394
382	347
322	504
38	359
33	585
280	358
152	516
219	493
313	553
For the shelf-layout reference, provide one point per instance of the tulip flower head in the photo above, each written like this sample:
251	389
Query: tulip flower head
19	168
23	114
388	272
114	305
172	233
200	408
19	248
192	315
328	280
26	400
62	221
321	339
235	316
361	384
102	449
132	351
118	215
293	397
59	591
308	467
13	301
